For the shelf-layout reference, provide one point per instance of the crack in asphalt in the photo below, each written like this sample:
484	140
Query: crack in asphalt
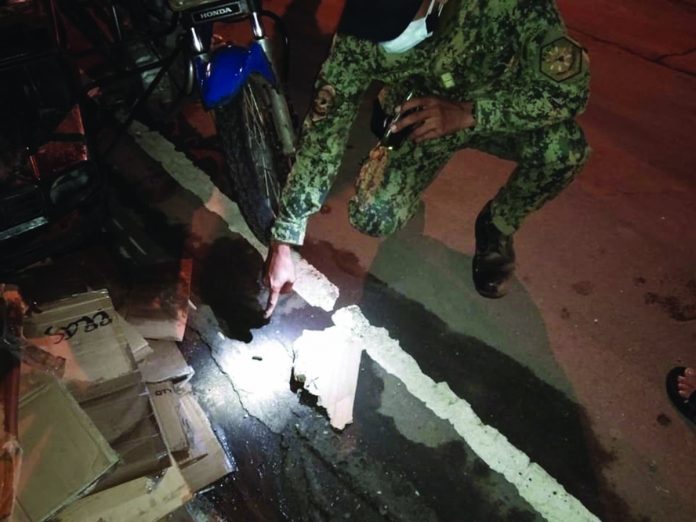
227	375
675	55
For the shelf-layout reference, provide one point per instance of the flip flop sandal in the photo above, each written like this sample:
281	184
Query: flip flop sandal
686	407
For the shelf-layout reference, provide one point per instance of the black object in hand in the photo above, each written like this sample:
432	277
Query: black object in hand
394	140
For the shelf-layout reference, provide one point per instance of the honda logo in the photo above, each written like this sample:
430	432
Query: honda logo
217	12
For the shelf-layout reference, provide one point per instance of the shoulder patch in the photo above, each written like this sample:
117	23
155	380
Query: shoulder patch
561	59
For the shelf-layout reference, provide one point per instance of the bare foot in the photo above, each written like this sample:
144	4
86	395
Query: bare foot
687	383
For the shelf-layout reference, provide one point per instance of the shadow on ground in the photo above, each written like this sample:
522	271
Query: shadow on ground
536	417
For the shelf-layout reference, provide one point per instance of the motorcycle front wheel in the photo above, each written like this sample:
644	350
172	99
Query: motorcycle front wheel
256	165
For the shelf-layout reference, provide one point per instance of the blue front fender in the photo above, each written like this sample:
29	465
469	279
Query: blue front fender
222	76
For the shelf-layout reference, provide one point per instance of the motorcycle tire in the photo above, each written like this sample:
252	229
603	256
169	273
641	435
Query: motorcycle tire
256	165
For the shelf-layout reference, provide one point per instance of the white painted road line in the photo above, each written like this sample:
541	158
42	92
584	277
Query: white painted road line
311	284
537	487
534	484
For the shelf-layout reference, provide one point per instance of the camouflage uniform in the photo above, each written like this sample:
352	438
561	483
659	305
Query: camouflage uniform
512	58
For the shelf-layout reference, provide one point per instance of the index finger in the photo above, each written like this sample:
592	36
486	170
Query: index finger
272	302
414	103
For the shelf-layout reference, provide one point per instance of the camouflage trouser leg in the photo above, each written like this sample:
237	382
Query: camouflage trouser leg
390	183
547	161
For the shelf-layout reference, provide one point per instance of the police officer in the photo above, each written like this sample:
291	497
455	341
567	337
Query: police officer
501	76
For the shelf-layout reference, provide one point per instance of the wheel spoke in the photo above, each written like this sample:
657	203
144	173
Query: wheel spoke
256	164
260	144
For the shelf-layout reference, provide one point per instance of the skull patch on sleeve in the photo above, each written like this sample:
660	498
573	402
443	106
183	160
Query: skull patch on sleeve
323	101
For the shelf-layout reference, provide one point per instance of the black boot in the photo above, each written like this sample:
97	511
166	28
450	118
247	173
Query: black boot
494	261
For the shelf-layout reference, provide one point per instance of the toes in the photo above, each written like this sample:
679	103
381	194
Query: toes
689	377
684	394
685	389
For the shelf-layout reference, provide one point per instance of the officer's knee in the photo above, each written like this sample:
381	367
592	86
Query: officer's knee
375	219
563	149
577	155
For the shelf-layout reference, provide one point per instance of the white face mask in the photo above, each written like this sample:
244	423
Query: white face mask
415	33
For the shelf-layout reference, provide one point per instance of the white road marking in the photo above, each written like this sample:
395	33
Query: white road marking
534	484
311	284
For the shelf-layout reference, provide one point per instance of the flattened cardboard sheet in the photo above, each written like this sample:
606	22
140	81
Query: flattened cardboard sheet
84	330
145	499
137	343
165	403
64	453
165	363
207	461
42	360
127	421
181	515
328	363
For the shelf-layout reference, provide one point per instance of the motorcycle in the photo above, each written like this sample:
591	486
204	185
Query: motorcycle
241	86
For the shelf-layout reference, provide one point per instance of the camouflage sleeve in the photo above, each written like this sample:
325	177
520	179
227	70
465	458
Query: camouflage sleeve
343	79
553	84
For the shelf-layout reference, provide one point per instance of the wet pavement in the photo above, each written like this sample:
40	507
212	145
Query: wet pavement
548	404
